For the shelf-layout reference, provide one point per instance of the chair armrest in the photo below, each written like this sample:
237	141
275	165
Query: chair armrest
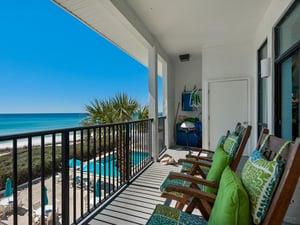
196	193
193	179
180	161
199	158
195	149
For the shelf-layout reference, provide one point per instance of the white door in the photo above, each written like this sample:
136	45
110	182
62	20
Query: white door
227	105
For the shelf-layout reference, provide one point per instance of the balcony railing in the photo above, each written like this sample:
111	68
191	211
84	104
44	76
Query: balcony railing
68	173
161	134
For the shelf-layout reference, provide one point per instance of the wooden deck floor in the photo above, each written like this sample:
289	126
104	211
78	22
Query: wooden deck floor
136	204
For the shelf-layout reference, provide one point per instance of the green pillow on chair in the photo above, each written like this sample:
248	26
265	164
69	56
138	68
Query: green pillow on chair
232	203
230	208
260	177
220	160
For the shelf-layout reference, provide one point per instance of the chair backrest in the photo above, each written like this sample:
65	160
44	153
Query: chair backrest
239	152
288	181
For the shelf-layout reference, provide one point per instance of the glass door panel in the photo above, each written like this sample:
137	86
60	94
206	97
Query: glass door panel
290	97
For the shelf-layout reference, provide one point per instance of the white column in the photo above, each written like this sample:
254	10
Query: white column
153	100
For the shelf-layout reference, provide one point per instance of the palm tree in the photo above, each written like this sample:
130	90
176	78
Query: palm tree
117	109
143	112
120	108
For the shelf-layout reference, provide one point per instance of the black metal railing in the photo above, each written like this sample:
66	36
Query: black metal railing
161	134
68	173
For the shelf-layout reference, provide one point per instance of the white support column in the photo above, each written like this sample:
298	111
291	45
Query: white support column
153	99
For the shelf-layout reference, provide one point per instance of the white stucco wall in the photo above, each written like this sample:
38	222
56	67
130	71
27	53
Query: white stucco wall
228	61
187	74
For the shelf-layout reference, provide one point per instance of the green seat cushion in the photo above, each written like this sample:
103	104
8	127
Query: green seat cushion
220	161
260	177
232	203
170	216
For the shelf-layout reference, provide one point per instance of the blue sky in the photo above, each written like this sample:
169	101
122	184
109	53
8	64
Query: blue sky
51	62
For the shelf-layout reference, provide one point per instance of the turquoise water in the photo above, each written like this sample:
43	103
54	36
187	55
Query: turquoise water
30	122
107	166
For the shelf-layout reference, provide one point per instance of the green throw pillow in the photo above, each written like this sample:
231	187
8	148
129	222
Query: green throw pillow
232	203
260	177
220	161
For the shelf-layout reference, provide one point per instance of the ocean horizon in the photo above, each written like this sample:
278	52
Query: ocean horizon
15	123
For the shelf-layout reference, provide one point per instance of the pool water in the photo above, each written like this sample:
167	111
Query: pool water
108	167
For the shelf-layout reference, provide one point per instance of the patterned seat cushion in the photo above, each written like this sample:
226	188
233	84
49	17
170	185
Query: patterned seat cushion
186	167
179	182
170	216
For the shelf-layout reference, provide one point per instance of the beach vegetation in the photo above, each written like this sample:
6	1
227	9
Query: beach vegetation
6	162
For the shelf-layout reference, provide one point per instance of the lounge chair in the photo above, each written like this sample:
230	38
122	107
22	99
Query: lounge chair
221	160
234	203
234	145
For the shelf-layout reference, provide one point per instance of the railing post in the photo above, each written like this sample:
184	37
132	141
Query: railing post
127	153
65	177
15	179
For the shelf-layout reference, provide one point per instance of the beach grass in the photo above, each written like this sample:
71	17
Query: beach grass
6	162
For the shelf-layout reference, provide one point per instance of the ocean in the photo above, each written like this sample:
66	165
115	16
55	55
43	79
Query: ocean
30	122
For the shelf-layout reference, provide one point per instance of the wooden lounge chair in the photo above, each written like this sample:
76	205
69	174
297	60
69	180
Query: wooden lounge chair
196	164
214	175
231	204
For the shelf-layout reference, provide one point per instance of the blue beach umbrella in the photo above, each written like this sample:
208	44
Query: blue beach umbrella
73	161
97	190
8	188
45	196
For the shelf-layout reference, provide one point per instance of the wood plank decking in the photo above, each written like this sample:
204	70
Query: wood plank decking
136	204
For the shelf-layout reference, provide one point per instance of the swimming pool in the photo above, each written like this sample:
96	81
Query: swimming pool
107	166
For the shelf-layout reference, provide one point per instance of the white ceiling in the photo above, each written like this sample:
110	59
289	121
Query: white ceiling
174	26
188	26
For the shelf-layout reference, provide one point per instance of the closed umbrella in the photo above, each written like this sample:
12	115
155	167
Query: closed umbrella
8	188
97	190
45	196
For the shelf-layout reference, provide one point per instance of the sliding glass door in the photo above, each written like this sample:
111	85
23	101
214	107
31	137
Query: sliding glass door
289	77
262	97
287	74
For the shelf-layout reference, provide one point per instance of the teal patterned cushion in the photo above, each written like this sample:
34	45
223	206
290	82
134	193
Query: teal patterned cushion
186	167
165	215
231	144
260	177
179	182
